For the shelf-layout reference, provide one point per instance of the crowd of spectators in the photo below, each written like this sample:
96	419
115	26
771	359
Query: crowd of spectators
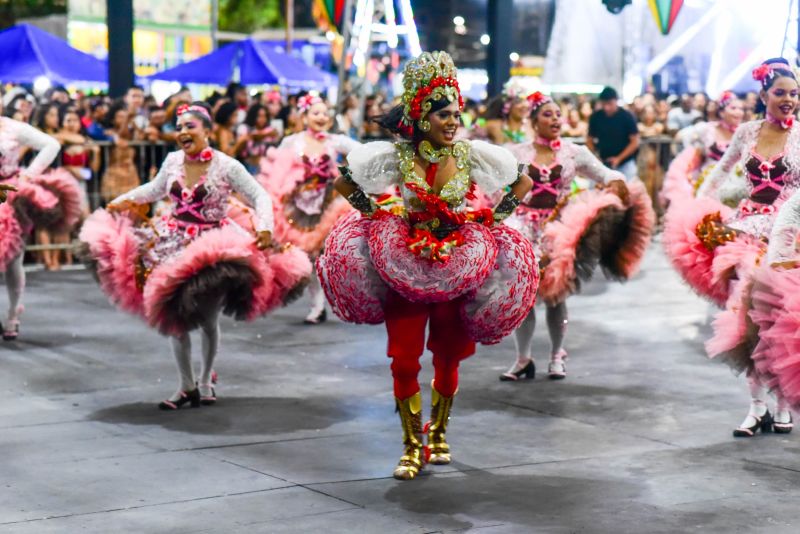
112	145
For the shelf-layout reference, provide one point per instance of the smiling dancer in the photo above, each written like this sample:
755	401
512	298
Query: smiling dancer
706	144
35	199
183	269
572	233
717	249
438	263
299	175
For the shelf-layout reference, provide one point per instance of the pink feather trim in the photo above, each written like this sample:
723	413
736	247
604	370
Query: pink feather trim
65	188
12	237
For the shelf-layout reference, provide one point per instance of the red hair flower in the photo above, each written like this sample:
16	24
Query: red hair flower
762	72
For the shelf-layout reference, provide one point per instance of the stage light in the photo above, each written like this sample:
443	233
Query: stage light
330	35
513	56
461	30
459	20
41	84
485	39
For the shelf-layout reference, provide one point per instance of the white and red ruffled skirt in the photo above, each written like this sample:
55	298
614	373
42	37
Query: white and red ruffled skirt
493	270
51	201
170	274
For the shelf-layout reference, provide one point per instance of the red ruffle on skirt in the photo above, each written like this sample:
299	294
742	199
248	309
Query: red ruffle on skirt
494	270
690	257
596	228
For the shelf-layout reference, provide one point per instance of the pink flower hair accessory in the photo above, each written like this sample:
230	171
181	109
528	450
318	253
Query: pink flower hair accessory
538	99
725	98
305	102
763	72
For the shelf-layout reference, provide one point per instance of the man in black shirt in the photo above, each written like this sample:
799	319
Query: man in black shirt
613	135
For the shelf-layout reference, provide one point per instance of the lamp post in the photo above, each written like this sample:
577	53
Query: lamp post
119	20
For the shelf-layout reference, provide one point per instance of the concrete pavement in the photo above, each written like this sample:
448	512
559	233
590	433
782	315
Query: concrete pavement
304	437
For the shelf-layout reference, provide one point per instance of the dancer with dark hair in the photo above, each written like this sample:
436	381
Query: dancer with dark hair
507	116
429	260
299	175
717	248
49	200
182	270
707	142
571	234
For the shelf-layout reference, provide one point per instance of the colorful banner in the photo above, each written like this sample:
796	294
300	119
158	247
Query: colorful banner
665	12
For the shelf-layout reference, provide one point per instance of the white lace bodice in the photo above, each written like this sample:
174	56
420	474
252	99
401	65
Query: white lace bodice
575	160
375	167
723	183
15	135
224	175
783	244
336	144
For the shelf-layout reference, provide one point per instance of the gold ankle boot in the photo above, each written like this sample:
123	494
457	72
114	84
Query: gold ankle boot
413	458
440	414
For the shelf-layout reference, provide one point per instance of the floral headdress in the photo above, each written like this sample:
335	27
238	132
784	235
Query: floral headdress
429	77
274	96
725	98
513	91
766	71
185	108
305	102
537	100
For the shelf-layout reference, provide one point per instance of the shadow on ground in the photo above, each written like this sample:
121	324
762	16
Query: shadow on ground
235	415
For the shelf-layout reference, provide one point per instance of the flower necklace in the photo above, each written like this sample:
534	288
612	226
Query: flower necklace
785	124
317	136
553	144
204	156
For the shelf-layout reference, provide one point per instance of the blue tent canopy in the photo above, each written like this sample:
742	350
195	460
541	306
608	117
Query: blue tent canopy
257	63
26	53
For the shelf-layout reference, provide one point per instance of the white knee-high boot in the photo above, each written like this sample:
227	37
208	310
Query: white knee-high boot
210	333
15	285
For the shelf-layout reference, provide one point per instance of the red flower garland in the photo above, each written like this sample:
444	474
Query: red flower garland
415	111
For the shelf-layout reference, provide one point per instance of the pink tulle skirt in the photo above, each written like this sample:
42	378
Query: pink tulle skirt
50	201
495	270
681	176
690	257
595	228
776	316
221	265
281	174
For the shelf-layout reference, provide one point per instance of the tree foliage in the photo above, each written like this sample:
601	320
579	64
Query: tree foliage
13	10
247	16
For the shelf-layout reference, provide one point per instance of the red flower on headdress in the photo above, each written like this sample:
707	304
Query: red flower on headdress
725	98
415	111
538	99
762	72
180	110
305	102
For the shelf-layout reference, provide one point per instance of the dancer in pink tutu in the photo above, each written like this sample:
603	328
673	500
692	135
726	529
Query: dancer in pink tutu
47	200
572	233
717	249
706	144
507	116
181	270
430	261
299	176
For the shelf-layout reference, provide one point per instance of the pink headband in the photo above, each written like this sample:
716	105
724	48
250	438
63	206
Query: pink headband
192	109
305	102
764	72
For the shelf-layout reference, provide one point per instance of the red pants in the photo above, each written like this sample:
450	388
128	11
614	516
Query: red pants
447	340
